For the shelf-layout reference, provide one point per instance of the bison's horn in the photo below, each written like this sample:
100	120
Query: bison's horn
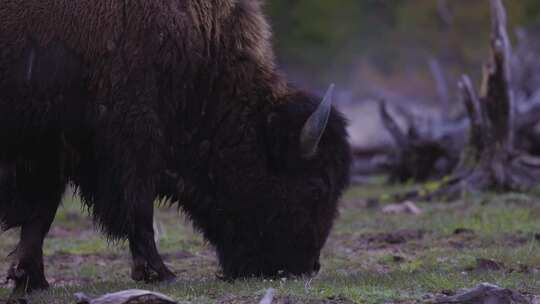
315	125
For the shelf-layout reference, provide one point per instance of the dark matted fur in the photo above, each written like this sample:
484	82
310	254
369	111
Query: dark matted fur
133	100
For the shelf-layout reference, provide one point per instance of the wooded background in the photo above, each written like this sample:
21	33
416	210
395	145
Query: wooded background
374	47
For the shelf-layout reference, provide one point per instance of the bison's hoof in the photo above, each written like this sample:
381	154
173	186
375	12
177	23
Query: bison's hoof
140	273
143	273
25	282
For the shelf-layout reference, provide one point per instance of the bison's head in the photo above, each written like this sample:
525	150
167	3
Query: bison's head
276	188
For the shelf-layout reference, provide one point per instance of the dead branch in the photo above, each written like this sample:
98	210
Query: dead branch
490	159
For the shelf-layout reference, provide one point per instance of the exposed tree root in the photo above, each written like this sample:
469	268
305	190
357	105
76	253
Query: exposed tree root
490	160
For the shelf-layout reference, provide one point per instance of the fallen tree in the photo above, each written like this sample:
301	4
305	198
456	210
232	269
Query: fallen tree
430	150
420	155
490	160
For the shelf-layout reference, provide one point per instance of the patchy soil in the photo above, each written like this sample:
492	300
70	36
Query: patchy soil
371	256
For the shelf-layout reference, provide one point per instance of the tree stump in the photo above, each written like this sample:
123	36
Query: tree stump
490	160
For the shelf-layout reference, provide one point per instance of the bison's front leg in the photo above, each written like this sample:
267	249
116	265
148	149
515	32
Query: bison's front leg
38	191
28	272
131	155
147	263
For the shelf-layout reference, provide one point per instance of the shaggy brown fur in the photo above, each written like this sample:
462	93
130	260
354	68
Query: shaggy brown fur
134	99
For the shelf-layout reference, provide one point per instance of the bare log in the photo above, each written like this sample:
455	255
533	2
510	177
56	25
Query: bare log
504	112
490	160
476	118
444	13
440	84
391	125
125	297
414	157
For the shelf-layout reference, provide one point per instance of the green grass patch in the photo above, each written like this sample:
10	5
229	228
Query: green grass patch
371	257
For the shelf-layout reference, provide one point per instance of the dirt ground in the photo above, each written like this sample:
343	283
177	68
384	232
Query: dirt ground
371	257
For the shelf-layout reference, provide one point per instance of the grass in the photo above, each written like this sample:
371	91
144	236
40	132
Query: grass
371	257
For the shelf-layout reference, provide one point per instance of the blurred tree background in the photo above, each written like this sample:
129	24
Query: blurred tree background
376	46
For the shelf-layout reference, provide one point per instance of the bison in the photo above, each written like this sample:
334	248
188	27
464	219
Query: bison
135	100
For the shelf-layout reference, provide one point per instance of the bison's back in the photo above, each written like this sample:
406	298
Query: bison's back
60	58
47	49
97	30
83	26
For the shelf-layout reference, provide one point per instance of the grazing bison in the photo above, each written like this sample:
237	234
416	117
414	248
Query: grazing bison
134	100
